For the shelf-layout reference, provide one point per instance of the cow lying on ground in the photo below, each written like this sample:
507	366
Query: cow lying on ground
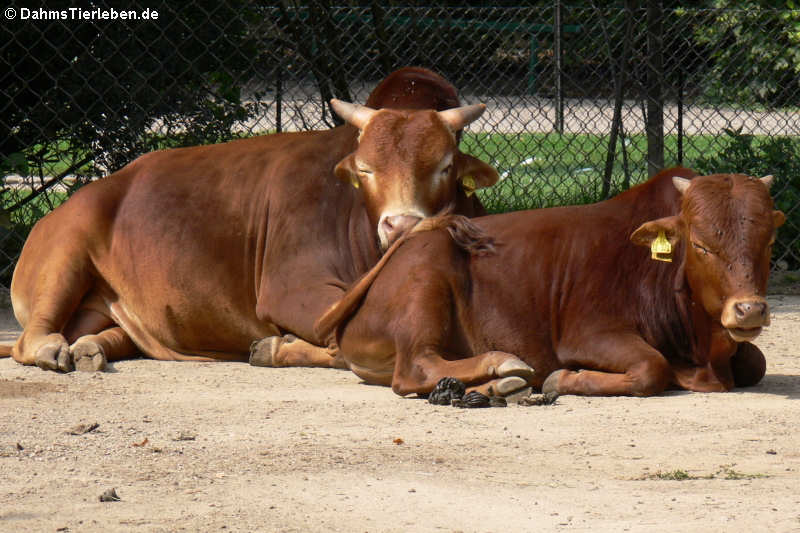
575	293
194	253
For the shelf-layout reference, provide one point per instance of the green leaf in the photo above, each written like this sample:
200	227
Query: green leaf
16	163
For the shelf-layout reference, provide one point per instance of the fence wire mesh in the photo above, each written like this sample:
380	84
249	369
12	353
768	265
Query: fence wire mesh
582	102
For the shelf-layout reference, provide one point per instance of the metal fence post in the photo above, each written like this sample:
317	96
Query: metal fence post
655	75
557	51
279	93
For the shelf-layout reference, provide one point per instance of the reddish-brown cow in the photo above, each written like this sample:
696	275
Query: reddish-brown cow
569	292
194	253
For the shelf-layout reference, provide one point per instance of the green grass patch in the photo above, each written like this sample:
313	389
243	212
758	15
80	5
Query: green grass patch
725	472
675	475
28	214
548	169
56	158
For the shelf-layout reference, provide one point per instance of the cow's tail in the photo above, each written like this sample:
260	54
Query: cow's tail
465	235
5	350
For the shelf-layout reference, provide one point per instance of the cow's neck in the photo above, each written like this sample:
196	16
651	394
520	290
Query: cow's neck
712	346
659	304
663	307
364	247
362	242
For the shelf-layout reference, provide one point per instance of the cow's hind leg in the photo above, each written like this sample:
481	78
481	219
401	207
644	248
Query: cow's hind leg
91	353
42	342
611	364
95	340
500	386
47	351
423	334
290	350
492	373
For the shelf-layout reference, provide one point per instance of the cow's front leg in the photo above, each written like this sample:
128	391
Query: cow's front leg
609	364
726	365
289	350
748	365
746	368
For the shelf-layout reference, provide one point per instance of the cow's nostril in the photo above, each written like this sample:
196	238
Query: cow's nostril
745	309
394	226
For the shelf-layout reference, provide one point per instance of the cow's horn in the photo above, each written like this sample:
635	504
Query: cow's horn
680	183
458	117
767	180
356	115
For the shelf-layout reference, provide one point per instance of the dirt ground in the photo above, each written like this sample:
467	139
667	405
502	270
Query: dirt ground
229	447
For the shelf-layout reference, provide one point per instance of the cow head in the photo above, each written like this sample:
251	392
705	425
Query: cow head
408	165
727	224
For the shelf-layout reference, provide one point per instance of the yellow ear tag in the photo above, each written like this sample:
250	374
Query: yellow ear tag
354	182
468	184
661	249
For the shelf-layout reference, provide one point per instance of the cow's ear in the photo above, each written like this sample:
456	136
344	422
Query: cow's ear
345	170
649	231
474	173
778	218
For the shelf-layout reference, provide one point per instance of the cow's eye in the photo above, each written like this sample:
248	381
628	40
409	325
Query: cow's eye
446	170
365	171
700	248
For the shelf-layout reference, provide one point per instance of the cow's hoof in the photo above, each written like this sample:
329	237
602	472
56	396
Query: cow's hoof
551	383
54	356
262	353
472	400
447	390
515	367
517	396
506	386
88	356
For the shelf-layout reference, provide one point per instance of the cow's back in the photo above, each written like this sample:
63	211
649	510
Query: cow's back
176	242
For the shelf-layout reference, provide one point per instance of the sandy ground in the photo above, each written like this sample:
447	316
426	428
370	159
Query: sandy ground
228	447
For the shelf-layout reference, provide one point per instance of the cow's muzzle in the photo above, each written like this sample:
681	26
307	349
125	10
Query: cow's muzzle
744	317
390	228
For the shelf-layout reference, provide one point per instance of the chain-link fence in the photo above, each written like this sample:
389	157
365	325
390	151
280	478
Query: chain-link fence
582	101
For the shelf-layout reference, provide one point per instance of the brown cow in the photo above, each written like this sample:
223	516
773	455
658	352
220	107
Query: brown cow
194	253
569	292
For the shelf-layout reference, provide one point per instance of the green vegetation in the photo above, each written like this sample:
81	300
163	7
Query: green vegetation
35	209
547	169
755	48
759	156
675	475
724	472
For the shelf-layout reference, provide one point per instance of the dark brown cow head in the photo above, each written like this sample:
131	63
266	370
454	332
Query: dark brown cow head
408	164
727	224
